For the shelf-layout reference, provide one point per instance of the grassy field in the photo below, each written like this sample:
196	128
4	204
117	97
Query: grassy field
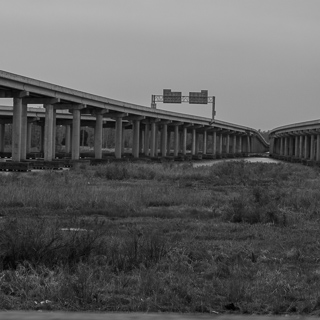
234	237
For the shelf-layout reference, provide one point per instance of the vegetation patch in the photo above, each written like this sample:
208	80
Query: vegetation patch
235	237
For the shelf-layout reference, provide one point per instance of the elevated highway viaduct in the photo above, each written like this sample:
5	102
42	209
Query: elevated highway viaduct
298	142
154	132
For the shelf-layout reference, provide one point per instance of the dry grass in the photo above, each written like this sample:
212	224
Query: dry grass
234	237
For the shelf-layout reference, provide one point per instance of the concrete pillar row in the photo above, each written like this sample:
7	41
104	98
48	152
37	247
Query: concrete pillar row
240	144
98	136
76	123
118	138
2	137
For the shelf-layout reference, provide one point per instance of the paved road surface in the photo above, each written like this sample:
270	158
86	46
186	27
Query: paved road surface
25	315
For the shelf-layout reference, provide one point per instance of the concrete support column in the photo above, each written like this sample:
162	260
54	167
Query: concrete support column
214	143
98	136
290	152
184	140
248	144
76	123
153	139
48	133
205	140
42	134
228	144
197	144
123	139
29	136
136	138
118	138
146	139
193	146
16	129
2	137
234	144
312	147
296	146
240	144
176	141
318	148
306	146
24	132
281	147
220	143
164	140
285	146
54	134
301	147
141	141
168	142
156	142
67	139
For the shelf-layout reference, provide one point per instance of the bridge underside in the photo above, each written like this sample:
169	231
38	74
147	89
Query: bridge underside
153	133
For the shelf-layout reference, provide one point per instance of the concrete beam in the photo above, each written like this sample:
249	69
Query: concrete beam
13	94
32	100
70	106
116	115
134	118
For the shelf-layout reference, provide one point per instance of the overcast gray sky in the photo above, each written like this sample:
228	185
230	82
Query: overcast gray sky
260	58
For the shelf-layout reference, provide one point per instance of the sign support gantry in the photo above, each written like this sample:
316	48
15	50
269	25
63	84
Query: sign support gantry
177	97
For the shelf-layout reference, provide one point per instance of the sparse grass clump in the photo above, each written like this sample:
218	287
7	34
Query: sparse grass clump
235	237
